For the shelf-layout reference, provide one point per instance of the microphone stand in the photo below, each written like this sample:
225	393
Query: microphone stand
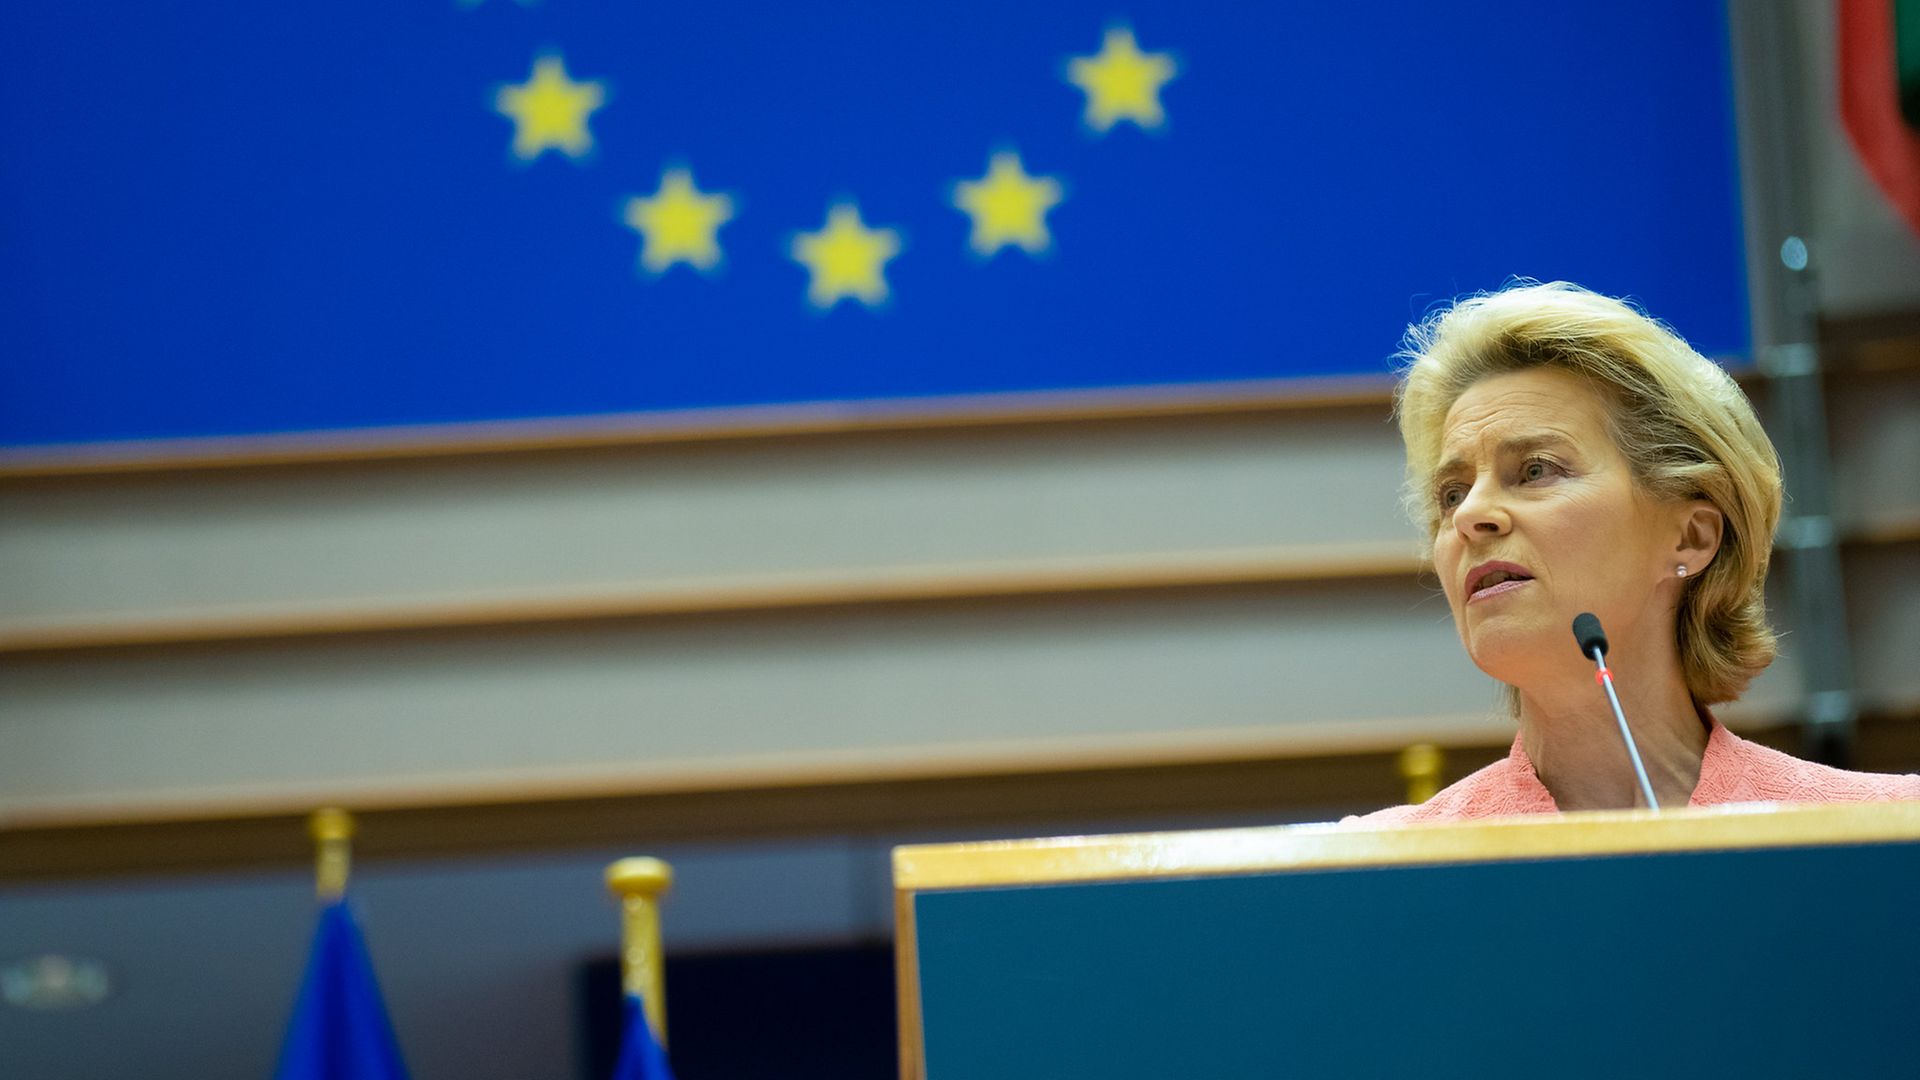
1593	643
1605	678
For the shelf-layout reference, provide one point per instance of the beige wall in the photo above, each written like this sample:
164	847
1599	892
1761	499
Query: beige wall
1369	661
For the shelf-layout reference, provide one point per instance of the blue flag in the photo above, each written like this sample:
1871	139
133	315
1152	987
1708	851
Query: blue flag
641	1057
226	218
339	1029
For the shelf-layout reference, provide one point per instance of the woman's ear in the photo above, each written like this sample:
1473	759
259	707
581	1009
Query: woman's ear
1701	526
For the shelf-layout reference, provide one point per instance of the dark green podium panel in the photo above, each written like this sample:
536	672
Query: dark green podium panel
1771	962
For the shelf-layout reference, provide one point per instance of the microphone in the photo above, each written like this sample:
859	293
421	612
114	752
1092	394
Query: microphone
1593	644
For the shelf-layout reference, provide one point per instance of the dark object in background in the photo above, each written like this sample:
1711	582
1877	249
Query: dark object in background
1906	54
781	1014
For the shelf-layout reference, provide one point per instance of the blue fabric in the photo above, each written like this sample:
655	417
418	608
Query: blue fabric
229	217
641	1057
339	1029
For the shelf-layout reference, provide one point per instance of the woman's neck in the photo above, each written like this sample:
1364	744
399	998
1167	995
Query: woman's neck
1569	734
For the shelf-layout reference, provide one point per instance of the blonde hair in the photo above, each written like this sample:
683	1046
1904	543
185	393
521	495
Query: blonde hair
1685	428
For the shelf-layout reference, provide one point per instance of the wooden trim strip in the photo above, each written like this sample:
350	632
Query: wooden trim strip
786	770
906	988
1242	567
1270	396
996	581
1051	793
1885	533
1280	848
1876	344
1015	801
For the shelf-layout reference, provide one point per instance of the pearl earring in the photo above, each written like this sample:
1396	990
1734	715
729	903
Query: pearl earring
1682	571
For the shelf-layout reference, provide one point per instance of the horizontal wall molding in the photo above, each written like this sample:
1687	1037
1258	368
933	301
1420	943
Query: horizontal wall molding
1885	532
1886	342
1349	766
839	768
996	581
562	434
1001	581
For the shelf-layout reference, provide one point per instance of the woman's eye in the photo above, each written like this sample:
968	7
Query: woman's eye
1450	496
1537	469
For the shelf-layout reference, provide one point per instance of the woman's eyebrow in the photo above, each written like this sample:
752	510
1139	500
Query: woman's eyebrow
1508	447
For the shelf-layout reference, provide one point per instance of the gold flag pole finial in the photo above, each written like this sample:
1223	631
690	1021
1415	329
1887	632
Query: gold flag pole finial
332	831
1420	766
640	883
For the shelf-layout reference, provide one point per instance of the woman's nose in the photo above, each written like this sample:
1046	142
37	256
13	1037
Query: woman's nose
1480	513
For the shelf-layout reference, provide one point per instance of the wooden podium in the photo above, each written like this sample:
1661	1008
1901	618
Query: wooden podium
1748	941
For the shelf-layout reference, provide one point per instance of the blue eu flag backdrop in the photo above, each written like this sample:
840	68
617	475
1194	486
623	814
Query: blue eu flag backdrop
224	217
339	1029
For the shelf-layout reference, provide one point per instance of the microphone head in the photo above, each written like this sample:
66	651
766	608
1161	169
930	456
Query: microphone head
1586	631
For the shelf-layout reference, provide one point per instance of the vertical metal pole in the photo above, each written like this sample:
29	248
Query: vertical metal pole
640	883
1420	767
332	830
1773	98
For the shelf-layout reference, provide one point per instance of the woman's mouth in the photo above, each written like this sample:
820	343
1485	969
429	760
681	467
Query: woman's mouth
1505	585
1493	579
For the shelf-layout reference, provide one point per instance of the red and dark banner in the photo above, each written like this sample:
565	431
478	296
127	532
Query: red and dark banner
1879	70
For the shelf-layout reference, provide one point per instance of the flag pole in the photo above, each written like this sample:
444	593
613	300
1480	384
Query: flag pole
640	883
1420	767
332	831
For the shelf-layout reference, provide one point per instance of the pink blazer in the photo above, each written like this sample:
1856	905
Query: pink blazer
1733	770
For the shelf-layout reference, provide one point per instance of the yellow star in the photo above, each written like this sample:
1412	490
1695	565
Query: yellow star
549	111
678	223
1122	83
845	258
1008	206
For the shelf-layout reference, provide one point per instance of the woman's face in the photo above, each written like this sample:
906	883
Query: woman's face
1540	521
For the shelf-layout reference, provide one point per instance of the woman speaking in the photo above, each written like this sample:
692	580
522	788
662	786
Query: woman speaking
1568	454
